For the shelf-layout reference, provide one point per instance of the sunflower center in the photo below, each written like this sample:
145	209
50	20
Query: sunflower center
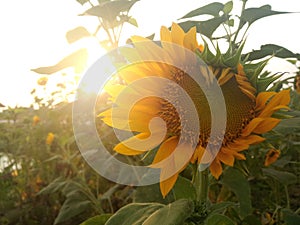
240	108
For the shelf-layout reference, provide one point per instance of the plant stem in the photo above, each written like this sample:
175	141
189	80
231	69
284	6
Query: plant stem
201	185
288	204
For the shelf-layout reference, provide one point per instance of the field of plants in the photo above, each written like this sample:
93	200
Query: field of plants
253	179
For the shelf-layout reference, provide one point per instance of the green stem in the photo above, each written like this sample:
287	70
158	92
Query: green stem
239	26
201	185
288	204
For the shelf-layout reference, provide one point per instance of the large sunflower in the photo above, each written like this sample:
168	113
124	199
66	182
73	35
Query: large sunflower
248	112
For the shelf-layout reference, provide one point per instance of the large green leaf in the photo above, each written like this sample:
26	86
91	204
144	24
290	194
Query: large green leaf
109	10
173	214
210	9
206	27
250	15
270	50
153	213
283	177
97	220
77	34
77	60
135	213
183	188
237	182
290	217
218	219
75	204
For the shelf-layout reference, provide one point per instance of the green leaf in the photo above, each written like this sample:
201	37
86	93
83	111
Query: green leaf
237	182
82	2
253	70
290	217
151	193
271	50
220	207
228	7
56	185
77	34
211	9
183	188
133	22
251	220
187	25
97	220
75	204
265	82
173	214
289	125
208	27
283	177
109	10
218	219
250	15
134	213
153	213
77	60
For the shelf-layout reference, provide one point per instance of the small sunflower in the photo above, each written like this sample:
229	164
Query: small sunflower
271	156
50	138
35	120
248	112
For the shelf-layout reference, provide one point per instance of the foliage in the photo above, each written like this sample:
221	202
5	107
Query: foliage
50	183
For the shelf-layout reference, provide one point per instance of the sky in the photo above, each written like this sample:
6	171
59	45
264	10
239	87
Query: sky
33	35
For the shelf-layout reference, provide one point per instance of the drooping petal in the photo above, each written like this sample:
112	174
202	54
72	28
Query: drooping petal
226	157
271	156
166	149
167	185
216	168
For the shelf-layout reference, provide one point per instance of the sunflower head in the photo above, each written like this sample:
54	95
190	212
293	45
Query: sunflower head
172	108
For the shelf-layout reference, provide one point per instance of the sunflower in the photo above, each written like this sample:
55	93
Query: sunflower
249	114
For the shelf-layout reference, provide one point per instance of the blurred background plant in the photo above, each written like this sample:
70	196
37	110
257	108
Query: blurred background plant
45	180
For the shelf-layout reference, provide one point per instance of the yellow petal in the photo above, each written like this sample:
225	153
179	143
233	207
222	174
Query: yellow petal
225	76
177	34
165	34
262	99
251	126
167	185
197	156
271	156
266	125
138	144
216	168
226	157
280	99
243	143
148	50
166	149
190	41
